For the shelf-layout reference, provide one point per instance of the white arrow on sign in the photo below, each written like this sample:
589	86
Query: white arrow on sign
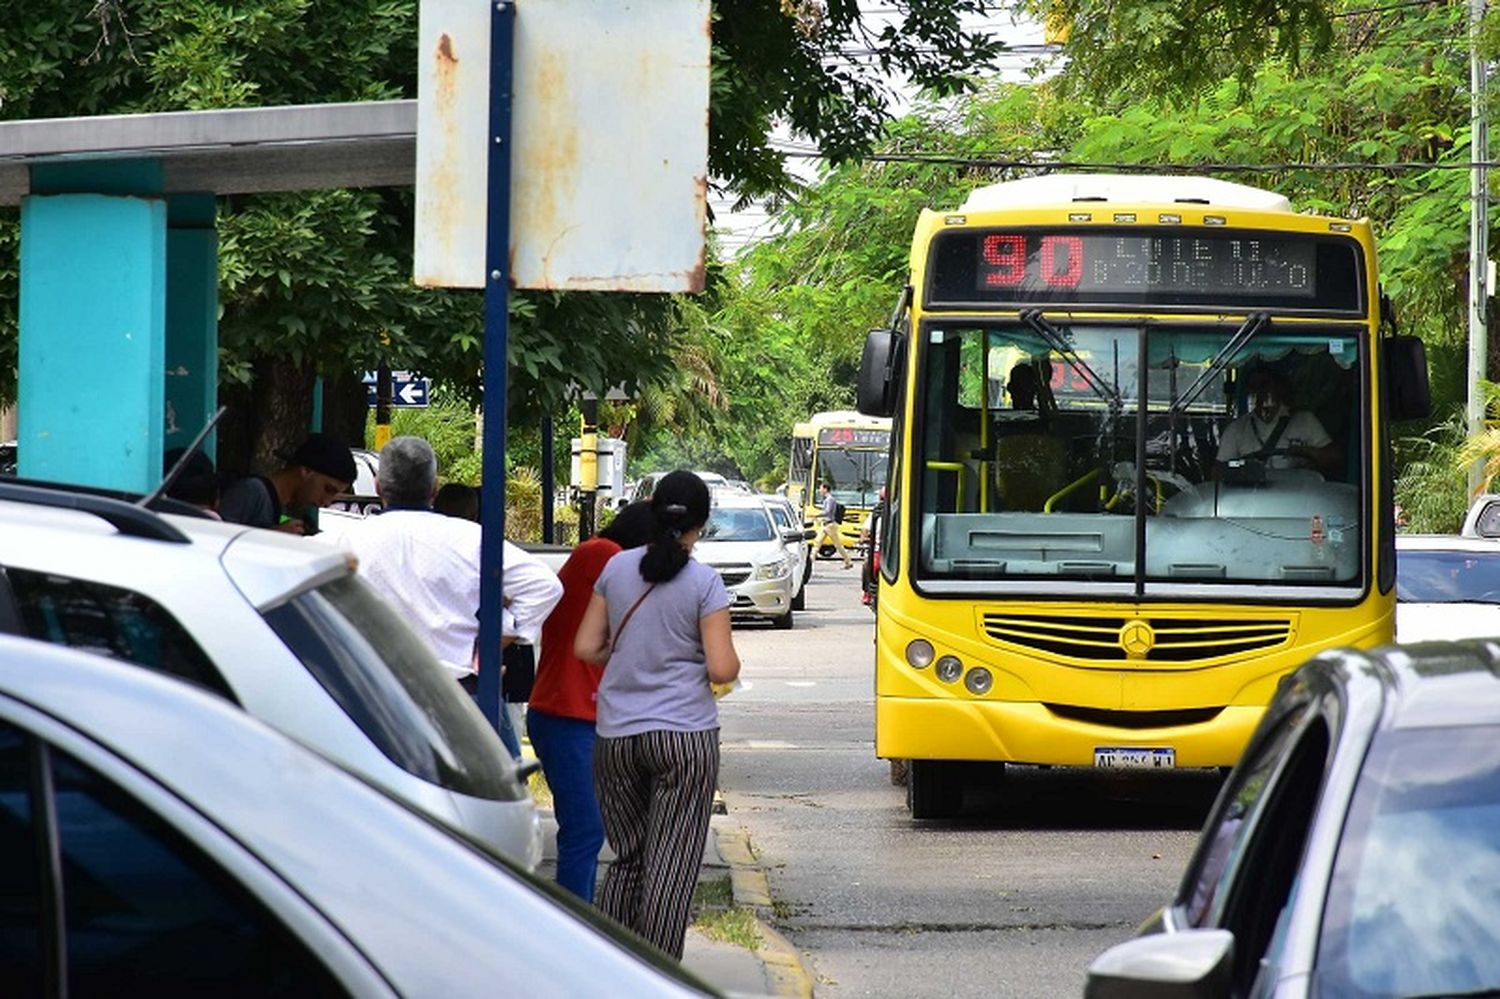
412	393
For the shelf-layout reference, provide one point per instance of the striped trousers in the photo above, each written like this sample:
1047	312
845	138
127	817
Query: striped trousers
656	794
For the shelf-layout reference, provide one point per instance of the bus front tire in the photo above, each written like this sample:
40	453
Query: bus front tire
934	789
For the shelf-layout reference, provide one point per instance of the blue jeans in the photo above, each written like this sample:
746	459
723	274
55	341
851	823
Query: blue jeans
565	747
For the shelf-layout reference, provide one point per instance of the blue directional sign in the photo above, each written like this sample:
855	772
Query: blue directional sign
407	390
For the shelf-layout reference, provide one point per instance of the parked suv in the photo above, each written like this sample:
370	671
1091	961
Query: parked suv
280	626
749	553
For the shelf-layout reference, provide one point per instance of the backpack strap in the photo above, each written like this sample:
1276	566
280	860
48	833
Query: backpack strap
614	642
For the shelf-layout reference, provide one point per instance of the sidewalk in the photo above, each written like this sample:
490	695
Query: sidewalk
775	968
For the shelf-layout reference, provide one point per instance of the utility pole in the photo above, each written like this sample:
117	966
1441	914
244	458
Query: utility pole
1479	154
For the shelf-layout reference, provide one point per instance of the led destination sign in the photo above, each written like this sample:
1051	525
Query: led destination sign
1146	268
854	437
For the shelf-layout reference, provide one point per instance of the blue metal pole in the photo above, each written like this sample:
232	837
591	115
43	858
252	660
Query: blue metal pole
496	334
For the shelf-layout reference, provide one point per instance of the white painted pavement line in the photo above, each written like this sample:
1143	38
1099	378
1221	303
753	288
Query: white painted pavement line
800	683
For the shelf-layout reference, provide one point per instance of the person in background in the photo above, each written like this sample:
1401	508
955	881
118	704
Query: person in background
828	519
560	719
658	622
428	565
455	499
288	499
197	484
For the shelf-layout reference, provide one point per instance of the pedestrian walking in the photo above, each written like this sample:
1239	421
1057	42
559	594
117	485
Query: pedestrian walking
560	718
828	519
427	565
318	471
659	624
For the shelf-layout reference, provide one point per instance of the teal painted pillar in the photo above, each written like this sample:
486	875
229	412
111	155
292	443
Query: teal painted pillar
92	345
192	346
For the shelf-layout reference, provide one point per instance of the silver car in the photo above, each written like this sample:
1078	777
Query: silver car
276	624
749	553
159	842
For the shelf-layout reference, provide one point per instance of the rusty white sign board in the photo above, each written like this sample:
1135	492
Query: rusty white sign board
609	157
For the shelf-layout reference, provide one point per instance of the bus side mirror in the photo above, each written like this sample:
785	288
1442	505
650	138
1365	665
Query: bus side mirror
879	369
1406	377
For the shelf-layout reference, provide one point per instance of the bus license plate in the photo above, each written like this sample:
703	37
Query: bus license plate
1130	758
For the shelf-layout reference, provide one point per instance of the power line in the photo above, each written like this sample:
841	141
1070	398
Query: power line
944	159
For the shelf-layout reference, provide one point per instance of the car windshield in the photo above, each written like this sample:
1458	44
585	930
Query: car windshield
738	525
1240	446
1447	576
391	685
1416	885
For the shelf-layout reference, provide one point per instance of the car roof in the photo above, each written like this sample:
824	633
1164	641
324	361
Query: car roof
45	532
1425	684
376	870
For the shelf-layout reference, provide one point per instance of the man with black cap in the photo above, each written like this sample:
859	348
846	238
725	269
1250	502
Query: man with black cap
318	471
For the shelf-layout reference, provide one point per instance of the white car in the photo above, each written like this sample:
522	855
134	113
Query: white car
788	520
160	842
276	624
749	553
1446	587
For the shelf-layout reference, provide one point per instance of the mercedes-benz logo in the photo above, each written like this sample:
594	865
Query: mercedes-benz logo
1137	638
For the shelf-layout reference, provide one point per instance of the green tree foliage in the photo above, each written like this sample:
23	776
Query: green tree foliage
317	282
1131	48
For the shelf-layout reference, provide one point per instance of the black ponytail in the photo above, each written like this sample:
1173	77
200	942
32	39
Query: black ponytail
679	504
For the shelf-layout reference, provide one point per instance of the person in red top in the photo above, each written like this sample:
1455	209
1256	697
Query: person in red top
560	717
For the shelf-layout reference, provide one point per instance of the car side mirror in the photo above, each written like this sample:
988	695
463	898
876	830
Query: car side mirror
809	534
1191	964
879	373
793	535
1406	377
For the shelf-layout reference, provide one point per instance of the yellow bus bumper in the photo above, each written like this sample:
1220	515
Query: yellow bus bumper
1027	732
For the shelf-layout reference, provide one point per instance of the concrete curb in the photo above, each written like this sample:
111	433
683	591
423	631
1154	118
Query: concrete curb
785	972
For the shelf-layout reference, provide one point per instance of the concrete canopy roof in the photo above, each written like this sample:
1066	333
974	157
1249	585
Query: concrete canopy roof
239	151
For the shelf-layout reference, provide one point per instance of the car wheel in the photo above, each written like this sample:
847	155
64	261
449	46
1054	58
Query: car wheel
784	622
934	789
799	602
899	767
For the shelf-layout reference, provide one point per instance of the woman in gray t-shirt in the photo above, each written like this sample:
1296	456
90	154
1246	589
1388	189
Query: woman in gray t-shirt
659	623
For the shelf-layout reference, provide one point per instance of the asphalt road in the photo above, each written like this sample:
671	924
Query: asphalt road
1013	899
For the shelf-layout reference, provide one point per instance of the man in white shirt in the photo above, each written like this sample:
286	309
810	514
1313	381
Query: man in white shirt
427	565
1272	432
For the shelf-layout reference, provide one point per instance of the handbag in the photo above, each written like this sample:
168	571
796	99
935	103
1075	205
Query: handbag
626	619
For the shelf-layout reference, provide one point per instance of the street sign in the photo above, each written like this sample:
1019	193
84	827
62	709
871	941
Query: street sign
608	97
408	391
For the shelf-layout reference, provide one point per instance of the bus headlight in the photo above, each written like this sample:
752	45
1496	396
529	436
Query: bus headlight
949	669
979	680
919	653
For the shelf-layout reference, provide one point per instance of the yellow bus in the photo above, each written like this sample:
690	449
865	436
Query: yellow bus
849	451
1141	470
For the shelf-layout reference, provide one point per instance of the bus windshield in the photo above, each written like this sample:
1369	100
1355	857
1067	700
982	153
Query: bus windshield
854	476
1246	459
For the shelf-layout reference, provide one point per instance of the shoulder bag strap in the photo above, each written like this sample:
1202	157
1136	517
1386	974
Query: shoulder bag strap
628	615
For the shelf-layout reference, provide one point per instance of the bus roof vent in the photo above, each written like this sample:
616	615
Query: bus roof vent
1134	189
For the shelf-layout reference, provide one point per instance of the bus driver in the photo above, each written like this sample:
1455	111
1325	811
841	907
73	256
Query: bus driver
1270	431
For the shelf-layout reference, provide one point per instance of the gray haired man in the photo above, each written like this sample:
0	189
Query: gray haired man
428	566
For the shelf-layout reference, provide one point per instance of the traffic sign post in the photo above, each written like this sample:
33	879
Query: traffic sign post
496	337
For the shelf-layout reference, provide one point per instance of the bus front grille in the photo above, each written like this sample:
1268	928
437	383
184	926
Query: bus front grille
1148	639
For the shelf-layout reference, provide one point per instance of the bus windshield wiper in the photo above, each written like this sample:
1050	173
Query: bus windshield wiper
1050	333
1254	323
